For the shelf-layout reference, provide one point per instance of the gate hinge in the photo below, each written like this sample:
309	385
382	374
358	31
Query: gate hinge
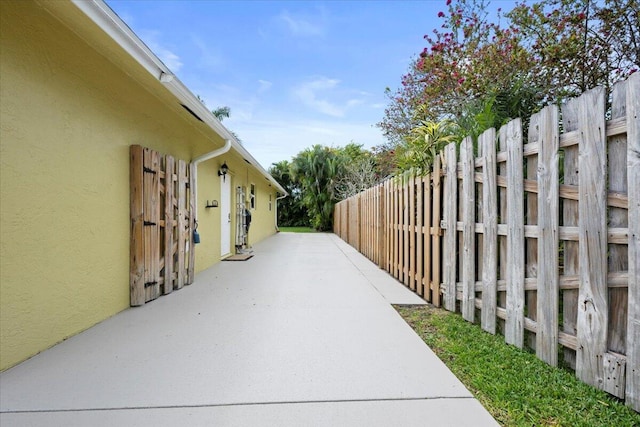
148	170
149	223
148	284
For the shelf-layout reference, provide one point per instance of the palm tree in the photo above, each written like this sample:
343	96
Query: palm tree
418	151
222	112
315	169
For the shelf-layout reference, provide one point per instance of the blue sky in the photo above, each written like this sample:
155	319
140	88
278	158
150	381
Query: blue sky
294	73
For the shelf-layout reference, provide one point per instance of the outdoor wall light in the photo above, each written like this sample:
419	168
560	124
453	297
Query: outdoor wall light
223	170
166	77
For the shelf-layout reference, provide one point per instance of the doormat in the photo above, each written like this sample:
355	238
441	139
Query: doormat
239	257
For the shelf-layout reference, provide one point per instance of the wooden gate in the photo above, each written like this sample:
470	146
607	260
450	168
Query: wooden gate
162	223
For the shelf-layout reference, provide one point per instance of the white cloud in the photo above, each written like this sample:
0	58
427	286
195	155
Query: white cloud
207	57
325	96
307	93
168	57
301	26
264	86
271	141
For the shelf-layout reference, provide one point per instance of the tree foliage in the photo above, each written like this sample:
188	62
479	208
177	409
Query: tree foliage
419	149
222	113
481	74
315	169
320	176
291	210
358	171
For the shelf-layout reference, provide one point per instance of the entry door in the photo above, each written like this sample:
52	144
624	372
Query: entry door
225	215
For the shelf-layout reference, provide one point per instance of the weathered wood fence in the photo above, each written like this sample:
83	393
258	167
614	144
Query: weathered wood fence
534	236
162	221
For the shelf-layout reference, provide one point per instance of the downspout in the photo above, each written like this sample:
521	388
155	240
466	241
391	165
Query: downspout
278	198
207	156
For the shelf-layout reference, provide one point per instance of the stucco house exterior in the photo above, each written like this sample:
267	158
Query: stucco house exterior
77	89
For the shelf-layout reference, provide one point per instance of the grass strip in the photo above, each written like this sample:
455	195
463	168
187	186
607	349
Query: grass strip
516	388
297	230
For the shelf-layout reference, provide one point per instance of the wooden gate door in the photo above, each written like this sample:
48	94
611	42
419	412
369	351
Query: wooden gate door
162	222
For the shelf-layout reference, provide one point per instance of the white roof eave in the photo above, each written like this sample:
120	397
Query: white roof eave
103	16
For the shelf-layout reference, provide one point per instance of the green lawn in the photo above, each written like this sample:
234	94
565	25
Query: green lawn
516	387
297	229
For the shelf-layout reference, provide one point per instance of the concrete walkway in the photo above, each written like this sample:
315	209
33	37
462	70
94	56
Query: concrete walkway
302	334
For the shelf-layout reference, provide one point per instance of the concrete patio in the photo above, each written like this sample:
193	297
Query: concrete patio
302	334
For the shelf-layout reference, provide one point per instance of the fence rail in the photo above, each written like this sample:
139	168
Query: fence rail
534	236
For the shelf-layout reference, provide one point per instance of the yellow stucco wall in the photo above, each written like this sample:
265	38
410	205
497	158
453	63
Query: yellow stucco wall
67	118
240	174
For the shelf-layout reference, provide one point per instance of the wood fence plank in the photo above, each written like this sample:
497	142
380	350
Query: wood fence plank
388	224
618	218
531	215
397	232
478	238
381	226
192	217
363	223
411	225
592	295
450	234
420	238
405	231
148	234
502	238
468	232
490	236
152	230
136	194
633	179
548	240
425	258
182	223
169	223
515	243
393	238
614	367
570	218
435	232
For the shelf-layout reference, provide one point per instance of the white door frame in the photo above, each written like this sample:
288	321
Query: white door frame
225	215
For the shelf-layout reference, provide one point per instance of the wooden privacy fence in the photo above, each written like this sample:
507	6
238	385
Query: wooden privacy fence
534	236
162	222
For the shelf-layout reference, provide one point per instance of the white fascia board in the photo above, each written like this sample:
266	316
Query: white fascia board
105	18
